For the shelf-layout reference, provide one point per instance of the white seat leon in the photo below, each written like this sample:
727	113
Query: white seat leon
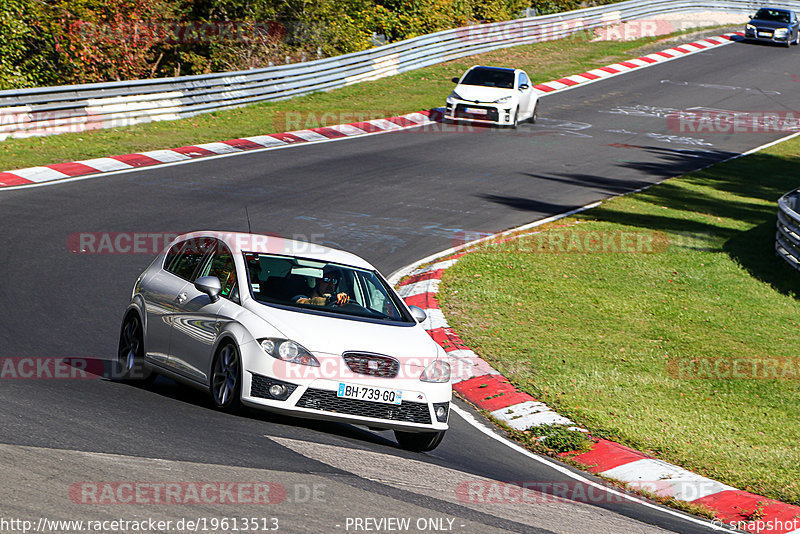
290	327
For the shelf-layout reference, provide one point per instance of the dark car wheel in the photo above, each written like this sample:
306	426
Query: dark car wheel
226	378
535	114
130	356
418	441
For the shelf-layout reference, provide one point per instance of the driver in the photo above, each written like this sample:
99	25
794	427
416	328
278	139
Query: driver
324	292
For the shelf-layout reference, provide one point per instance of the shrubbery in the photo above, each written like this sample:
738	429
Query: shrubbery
57	42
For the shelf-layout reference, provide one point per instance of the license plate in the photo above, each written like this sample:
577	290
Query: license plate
369	393
476	111
765	34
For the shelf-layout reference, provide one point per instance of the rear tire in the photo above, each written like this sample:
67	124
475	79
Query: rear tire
226	378
418	441
130	355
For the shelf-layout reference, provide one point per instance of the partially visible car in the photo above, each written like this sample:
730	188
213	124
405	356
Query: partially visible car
225	312
773	25
493	95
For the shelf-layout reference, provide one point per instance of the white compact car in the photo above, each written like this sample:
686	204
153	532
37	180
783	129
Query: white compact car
291	327
493	95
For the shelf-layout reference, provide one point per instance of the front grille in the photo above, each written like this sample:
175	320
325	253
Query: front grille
371	364
327	401
259	386
491	115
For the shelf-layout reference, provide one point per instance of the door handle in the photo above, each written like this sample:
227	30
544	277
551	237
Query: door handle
181	298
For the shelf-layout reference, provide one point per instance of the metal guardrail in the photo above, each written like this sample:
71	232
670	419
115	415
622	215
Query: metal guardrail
52	110
787	239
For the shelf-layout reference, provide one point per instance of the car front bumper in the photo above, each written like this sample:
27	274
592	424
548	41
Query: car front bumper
767	36
314	396
489	113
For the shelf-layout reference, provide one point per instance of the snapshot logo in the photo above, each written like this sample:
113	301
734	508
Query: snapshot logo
145	493
717	368
762	525
710	120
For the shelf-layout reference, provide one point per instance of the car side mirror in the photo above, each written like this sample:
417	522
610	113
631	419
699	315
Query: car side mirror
454	80
524	87
209	285
418	313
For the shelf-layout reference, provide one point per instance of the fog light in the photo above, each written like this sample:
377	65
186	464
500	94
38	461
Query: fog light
278	391
440	410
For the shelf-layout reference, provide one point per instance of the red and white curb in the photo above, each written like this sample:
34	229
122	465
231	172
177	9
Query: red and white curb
476	381
114	164
649	60
71	170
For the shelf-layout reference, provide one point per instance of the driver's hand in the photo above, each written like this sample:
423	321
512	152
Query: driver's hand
340	298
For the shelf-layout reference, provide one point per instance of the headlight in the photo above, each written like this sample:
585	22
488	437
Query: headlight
504	100
749	27
781	32
288	351
437	371
454	96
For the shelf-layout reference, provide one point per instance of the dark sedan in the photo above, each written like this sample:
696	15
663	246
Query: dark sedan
774	26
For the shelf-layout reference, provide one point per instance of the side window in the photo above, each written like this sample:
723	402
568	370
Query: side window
184	258
523	80
222	266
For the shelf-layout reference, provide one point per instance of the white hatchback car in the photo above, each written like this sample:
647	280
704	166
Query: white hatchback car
493	95
291	327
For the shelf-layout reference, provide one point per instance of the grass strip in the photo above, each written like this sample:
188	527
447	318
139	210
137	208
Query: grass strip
662	320
405	93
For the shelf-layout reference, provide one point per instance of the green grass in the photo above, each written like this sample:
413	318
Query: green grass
599	336
408	92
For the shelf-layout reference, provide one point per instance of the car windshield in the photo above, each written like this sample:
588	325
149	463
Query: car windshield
772	15
285	280
501	78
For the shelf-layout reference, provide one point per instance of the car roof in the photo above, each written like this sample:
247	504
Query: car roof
493	68
240	242
779	9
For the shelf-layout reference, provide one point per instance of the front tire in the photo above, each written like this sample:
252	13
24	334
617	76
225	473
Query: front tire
130	355
516	119
535	114
418	441
226	378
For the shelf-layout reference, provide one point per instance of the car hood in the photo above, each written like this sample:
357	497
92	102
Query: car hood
768	24
477	93
325	334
